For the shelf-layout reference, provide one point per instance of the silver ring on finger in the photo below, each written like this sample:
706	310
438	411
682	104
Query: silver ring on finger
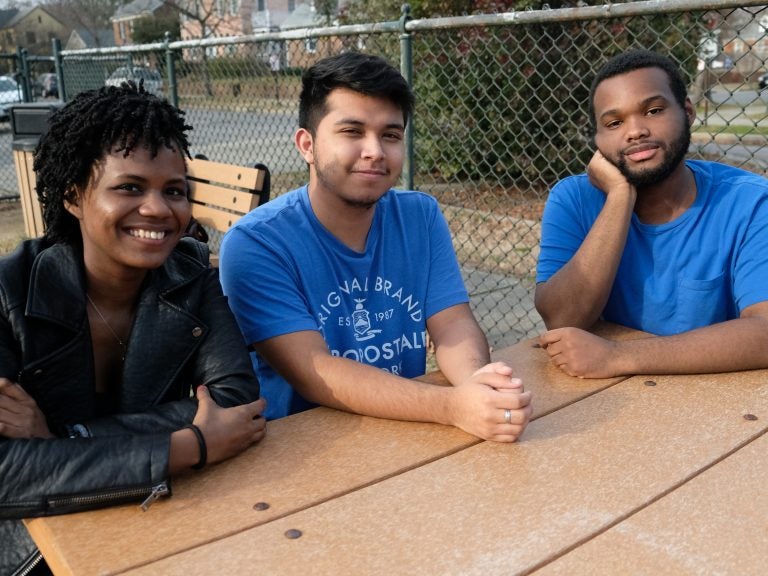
507	416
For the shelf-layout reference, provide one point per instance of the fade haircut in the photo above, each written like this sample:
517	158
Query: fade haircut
363	73
81	134
636	60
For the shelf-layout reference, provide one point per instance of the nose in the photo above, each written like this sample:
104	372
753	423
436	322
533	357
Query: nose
372	148
155	205
636	127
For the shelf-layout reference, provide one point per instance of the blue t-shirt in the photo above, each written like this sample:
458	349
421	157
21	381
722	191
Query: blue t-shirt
704	267
284	272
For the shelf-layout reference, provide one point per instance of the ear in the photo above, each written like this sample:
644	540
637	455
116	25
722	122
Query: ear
305	145
72	203
690	111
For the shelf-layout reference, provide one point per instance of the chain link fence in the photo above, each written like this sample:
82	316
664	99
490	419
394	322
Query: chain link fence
501	110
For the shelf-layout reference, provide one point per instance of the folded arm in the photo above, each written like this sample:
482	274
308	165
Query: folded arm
303	359
740	344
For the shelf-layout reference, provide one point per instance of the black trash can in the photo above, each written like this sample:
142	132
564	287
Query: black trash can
29	121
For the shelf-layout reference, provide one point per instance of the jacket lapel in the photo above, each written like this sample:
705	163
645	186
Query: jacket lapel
163	323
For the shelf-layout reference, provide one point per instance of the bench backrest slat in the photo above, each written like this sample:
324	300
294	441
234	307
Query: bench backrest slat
214	218
221	193
237	201
229	174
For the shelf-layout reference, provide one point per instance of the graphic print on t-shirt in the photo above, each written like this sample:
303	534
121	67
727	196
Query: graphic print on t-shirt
371	320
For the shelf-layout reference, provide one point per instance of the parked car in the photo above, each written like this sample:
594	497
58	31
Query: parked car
762	81
10	93
46	85
153	81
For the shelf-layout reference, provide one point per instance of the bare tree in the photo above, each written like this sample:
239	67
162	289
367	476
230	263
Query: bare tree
200	19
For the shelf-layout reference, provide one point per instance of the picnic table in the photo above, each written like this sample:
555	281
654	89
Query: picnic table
642	474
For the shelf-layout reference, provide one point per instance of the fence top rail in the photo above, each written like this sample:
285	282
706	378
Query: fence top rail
604	11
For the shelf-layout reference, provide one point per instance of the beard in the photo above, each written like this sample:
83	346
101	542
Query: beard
329	176
360	204
674	153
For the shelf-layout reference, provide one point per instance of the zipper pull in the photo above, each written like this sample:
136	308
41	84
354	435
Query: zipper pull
157	491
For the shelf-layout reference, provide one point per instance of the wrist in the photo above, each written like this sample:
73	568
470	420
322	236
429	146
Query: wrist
622	359
624	191
201	445
184	451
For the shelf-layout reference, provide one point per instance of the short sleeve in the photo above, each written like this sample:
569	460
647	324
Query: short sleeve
263	287
564	225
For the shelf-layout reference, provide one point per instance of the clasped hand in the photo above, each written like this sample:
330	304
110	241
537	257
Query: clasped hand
482	402
228	431
580	353
20	416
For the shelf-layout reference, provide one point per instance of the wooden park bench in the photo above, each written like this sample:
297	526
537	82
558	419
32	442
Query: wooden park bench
219	194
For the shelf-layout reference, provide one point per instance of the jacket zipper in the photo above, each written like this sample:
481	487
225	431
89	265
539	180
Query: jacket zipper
29	564
156	492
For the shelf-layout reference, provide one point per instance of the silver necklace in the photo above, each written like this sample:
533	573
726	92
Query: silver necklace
123	345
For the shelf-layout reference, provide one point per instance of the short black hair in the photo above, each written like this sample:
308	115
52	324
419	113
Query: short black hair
84	131
364	73
636	60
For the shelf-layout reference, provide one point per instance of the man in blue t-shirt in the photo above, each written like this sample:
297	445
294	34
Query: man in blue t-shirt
336	285
645	239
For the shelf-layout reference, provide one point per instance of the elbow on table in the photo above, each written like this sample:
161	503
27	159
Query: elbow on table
561	314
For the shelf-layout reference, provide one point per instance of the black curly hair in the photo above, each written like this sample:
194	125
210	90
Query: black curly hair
84	131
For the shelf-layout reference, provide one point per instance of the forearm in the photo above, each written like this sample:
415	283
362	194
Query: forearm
476	405
165	417
43	477
740	344
354	387
576	295
462	351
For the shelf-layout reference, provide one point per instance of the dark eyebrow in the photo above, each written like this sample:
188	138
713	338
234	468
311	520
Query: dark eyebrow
643	104
354	122
142	179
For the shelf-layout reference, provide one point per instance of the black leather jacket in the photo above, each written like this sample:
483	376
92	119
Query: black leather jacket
183	335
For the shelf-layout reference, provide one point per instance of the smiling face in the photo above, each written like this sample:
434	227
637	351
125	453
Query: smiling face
133	211
357	151
640	127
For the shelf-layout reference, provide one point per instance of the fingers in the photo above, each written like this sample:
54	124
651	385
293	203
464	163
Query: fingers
496	368
15	392
203	394
257	408
550	337
497	375
512	426
514	385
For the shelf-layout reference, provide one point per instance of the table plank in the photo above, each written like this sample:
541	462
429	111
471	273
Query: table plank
717	523
306	459
510	509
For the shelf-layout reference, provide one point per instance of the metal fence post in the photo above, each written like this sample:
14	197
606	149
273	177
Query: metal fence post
170	65
24	72
57	65
406	68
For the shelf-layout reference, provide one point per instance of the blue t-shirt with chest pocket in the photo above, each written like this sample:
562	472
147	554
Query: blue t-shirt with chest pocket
704	267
